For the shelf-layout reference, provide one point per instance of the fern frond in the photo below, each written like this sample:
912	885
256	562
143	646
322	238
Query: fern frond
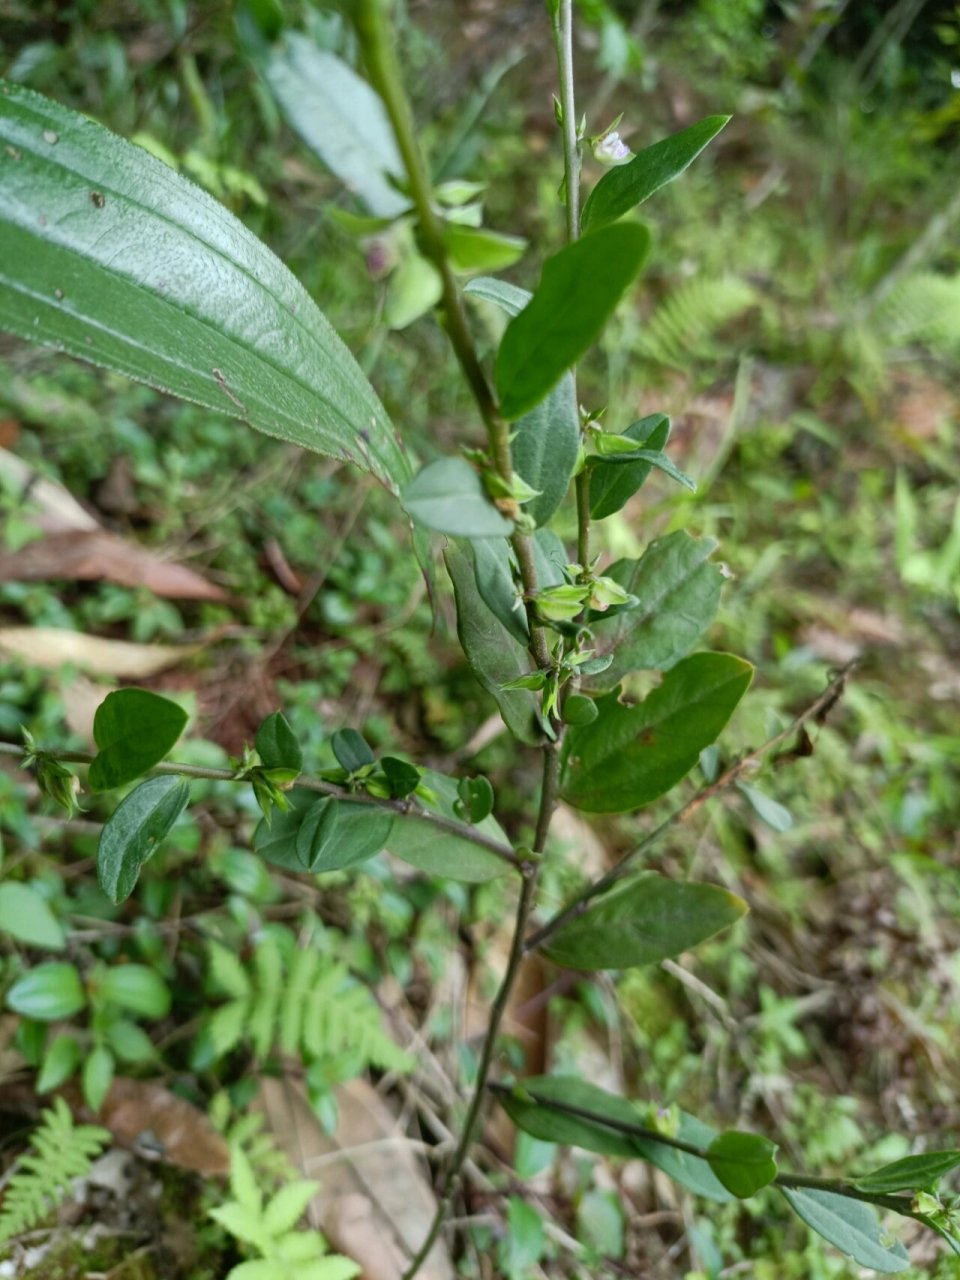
924	309
60	1151
685	323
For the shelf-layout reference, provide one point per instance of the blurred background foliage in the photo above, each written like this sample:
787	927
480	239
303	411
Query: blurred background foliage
800	321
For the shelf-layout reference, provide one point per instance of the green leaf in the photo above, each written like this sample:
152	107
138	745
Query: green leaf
474	799
134	730
580	709
579	289
774	814
277	746
690	1171
613	484
629	756
852	1226
137	988
133	267
477	249
495	655
351	750
447	496
227	973
316	832
412	290
25	915
402	777
440	853
649	919
133	832
288	1206
546	441
97	1077
744	1162
338	116
357	831
129	1042
277	843
624	456
59	1063
227	1026
912	1173
600	1222
48	993
545	448
493	571
623	188
678	590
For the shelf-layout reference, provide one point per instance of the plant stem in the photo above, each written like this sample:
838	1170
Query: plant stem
563	36
372	23
836	1186
402	808
528	892
817	711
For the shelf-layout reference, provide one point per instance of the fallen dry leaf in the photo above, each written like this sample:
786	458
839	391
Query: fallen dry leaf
151	1119
374	1197
80	698
92	554
53	647
56	510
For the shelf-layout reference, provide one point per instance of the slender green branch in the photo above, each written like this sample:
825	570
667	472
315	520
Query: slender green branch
402	808
563	36
836	1186
528	892
817	711
583	518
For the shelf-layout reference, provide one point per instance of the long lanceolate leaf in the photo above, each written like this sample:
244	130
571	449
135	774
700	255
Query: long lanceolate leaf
110	255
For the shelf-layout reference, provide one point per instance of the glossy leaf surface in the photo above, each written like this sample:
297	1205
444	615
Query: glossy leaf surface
648	919
133	832
495	655
744	1162
133	729
447	496
629	755
679	591
852	1226
623	188
579	289
113	257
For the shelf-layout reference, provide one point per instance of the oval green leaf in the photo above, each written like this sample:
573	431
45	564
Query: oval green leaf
679	591
649	919
132	835
113	257
623	188
351	750
852	1226
25	915
444	853
137	988
362	831
277	745
494	574
447	496
579	289
48	993
630	756
743	1162
59	1063
134	730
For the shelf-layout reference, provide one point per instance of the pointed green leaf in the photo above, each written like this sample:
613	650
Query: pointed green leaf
132	834
629	755
97	1077
25	915
649	919
679	591
60	1061
744	1162
442	853
316	832
277	745
771	811
624	187
129	1042
493	569
447	496
48	992
479	249
342	834
134	730
113	257
496	656
351	750
579	289
402	777
614	484
287	1207
138	988
852	1226
912	1173
337	114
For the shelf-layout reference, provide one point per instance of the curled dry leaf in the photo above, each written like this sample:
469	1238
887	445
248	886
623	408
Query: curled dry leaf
53	647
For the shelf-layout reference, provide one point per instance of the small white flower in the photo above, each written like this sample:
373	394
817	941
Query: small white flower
610	149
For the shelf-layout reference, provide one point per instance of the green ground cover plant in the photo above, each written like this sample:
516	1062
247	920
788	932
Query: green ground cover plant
597	672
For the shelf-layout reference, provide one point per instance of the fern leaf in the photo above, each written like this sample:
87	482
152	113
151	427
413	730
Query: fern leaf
924	309
683	326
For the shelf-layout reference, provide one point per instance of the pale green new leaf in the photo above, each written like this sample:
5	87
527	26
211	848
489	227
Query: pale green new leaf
25	915
111	256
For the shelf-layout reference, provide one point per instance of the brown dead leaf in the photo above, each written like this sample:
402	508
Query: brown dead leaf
53	647
93	554
9	432
375	1205
149	1118
80	698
